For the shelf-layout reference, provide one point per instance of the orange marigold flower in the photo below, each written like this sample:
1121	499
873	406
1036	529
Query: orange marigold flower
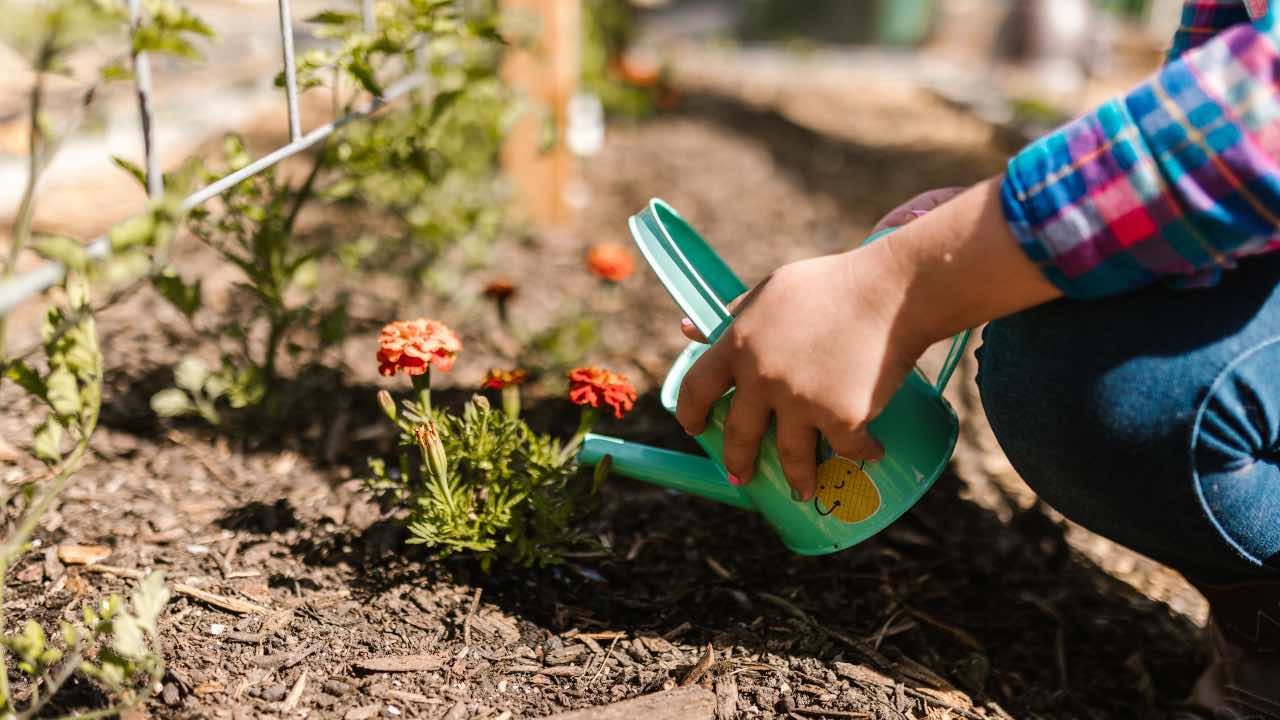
500	290
593	386
414	346
611	261
497	379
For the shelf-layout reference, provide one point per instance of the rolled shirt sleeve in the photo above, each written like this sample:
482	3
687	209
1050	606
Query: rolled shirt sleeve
1175	180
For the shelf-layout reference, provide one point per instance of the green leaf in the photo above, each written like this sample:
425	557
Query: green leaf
191	374
333	17
186	298
46	443
175	18
132	168
149	38
442	102
61	248
363	74
172	402
149	601
116	71
28	379
63	395
126	637
135	231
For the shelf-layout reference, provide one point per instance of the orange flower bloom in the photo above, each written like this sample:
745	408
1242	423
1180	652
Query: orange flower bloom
611	261
592	386
500	290
414	346
497	379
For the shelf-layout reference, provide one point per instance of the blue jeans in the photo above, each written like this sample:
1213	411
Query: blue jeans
1152	418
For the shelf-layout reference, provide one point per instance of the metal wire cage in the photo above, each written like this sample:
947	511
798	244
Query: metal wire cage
41	278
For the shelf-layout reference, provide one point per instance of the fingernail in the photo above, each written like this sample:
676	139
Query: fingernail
686	324
733	480
919	213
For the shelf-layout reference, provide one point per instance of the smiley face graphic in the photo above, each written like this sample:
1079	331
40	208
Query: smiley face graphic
845	490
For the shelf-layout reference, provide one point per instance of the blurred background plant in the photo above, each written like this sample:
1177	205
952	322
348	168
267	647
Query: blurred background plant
64	372
430	165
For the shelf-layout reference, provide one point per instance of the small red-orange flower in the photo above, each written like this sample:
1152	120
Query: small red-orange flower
497	379
593	386
500	290
414	346
611	261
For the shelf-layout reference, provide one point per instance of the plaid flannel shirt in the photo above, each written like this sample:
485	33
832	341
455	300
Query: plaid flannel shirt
1176	180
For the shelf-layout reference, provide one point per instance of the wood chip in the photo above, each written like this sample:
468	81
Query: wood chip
295	694
207	688
232	605
284	661
400	663
363	712
558	670
566	654
691	703
819	712
726	697
701	668
403	696
717	568
862	675
83	554
656	644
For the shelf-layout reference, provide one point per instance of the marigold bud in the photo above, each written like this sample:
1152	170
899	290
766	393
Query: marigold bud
432	450
387	404
482	402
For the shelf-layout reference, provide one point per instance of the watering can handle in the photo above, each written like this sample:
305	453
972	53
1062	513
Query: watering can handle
954	353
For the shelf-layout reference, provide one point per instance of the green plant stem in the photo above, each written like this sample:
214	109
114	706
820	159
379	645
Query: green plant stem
21	234
274	336
422	387
511	401
68	668
586	421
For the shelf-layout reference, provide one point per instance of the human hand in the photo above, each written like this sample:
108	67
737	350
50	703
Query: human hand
822	344
816	362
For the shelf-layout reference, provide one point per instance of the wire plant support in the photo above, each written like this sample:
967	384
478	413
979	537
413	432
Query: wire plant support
41	278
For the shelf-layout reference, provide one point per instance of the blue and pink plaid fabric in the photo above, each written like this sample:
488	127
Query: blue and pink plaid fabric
1176	180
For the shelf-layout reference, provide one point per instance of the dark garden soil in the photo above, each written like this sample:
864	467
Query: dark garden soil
967	607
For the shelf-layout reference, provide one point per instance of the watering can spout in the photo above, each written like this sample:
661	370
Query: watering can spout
693	474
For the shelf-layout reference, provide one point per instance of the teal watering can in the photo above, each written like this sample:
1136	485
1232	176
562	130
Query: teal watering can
854	499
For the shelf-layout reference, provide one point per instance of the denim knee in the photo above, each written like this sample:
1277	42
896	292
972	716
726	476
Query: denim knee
1167	453
1235	453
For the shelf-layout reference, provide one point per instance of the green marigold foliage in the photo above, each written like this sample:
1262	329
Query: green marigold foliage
484	483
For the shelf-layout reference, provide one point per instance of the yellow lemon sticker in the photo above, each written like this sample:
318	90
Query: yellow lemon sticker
845	490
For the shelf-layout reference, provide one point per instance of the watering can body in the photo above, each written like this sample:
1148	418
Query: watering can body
854	500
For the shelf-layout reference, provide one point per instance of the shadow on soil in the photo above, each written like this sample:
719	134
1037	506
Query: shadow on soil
1002	611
